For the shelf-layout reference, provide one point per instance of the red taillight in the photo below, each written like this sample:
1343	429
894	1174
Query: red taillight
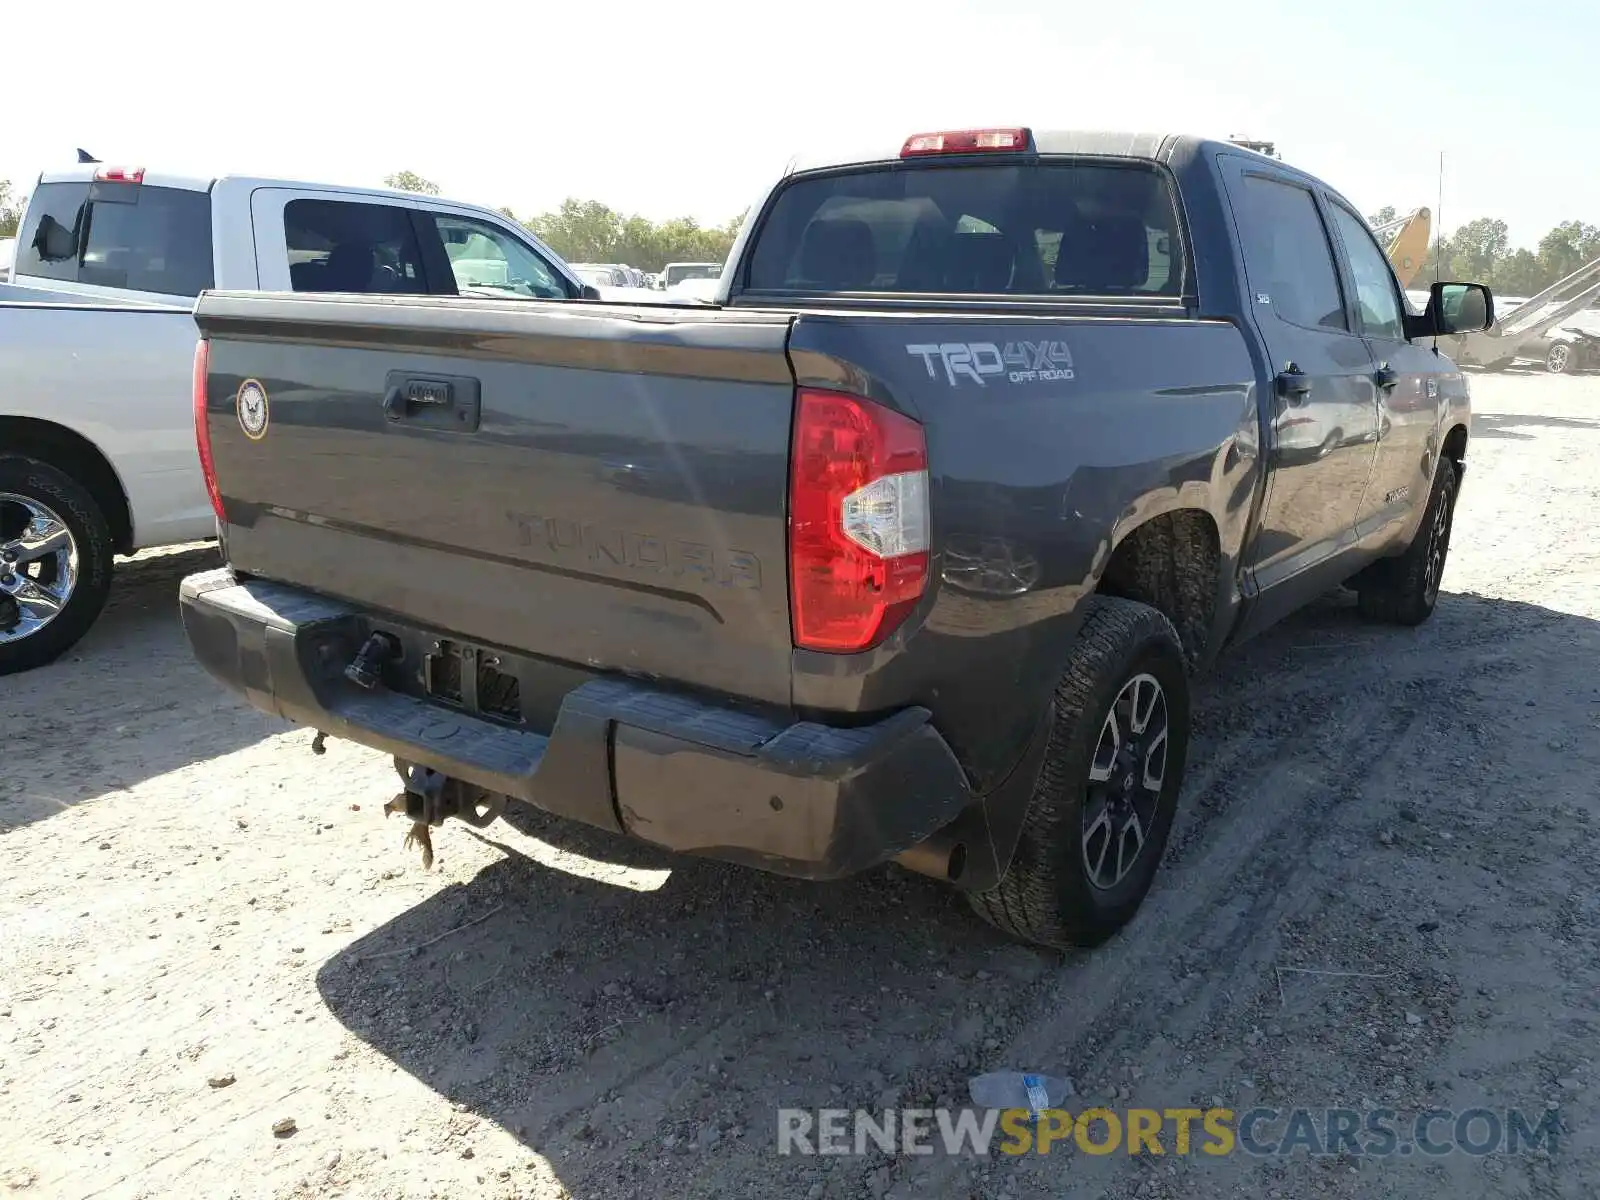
119	175
858	521
966	141
202	426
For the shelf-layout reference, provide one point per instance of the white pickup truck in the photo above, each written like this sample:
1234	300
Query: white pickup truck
97	449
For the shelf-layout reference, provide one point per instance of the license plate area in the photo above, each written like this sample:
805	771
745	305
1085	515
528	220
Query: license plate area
468	678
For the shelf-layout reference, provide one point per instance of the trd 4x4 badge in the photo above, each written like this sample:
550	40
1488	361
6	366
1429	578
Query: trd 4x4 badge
1019	362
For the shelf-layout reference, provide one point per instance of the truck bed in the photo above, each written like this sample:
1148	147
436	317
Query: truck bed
117	376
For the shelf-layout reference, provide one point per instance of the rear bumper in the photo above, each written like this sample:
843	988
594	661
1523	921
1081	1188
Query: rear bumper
802	799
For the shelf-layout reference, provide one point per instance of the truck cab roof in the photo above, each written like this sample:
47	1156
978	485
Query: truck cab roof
1097	143
191	232
89	172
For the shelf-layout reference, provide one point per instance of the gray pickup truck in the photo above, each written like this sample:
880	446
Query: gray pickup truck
904	549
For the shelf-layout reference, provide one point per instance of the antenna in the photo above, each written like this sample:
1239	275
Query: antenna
85	157
1438	216
1438	245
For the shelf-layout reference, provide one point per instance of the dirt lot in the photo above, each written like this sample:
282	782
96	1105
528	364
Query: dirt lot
189	897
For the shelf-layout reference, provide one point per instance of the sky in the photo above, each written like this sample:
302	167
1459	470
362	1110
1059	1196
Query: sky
691	107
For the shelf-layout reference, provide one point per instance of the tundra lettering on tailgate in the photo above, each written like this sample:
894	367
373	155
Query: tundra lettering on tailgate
566	538
1020	362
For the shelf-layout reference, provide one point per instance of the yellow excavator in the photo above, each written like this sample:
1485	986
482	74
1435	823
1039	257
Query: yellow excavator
1408	243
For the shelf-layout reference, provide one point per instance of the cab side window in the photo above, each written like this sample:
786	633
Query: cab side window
1287	255
488	260
339	246
1376	294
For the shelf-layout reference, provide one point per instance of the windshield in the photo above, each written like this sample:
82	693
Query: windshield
1068	228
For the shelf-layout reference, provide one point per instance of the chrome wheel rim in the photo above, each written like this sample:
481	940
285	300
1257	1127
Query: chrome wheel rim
1438	545
38	566
1558	358
1125	779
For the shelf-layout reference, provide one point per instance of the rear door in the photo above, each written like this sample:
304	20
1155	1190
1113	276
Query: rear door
1323	416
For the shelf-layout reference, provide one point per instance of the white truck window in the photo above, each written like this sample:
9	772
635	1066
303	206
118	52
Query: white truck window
340	246
122	235
483	257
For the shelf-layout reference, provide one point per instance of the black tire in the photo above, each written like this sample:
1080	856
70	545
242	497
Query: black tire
1404	590
61	494
1561	358
1048	894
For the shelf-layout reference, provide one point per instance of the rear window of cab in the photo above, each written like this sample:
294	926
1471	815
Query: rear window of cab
1068	228
138	237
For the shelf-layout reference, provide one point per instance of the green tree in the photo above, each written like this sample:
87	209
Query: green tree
1520	274
1478	247
1383	216
410	181
588	231
11	206
1567	247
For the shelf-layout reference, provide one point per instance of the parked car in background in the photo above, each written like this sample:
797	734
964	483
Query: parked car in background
97	452
602	275
675	273
681	573
1565	351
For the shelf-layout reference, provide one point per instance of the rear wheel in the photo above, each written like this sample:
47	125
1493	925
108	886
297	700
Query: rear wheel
1404	590
55	563
1559	359
1099	817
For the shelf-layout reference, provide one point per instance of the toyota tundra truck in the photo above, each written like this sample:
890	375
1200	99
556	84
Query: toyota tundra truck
906	548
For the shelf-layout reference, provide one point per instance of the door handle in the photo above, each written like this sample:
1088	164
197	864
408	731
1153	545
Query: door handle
402	398
432	401
1385	377
1293	384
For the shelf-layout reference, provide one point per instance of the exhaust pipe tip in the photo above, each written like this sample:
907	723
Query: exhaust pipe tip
938	857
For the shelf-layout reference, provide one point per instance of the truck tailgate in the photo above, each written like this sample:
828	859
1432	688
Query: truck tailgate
602	487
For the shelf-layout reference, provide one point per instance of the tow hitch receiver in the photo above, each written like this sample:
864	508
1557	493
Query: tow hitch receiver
430	797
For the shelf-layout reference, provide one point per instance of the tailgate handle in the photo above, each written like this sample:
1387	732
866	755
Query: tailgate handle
433	402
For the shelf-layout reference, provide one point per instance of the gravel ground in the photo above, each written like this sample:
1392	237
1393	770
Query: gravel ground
206	931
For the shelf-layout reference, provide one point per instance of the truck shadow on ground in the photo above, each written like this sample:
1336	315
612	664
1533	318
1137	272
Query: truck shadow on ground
617	1009
1510	425
133	682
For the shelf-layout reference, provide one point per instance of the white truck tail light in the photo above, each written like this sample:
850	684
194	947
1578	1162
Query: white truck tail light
202	426
858	521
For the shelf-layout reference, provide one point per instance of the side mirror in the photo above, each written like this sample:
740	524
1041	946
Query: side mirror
1453	308
588	292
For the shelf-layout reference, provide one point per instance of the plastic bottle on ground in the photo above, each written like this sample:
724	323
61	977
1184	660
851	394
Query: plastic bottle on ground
1018	1089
